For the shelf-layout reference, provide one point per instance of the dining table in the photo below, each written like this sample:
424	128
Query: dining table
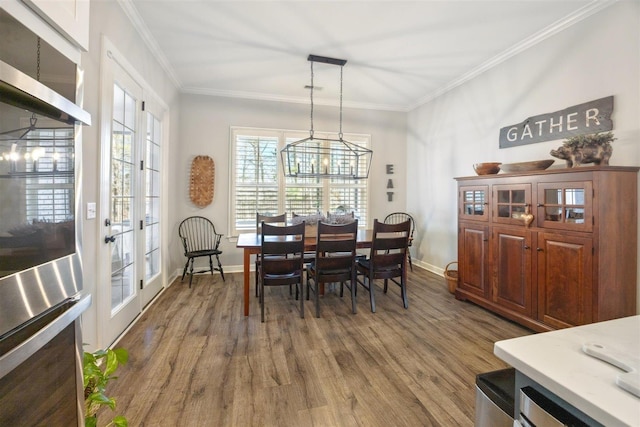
251	243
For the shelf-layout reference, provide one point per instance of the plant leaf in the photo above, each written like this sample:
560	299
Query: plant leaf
120	421
112	363
122	355
91	421
101	399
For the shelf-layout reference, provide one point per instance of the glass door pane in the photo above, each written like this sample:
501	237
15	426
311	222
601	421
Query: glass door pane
122	198
565	205
152	198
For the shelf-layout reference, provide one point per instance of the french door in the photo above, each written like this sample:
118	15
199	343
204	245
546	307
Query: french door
130	271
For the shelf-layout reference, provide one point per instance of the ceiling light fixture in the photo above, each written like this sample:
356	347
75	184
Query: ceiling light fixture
315	157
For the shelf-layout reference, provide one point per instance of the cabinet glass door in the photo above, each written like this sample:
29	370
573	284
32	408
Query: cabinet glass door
565	205
474	203
511	202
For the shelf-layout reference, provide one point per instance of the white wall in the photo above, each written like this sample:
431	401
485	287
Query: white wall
108	18
597	57
204	129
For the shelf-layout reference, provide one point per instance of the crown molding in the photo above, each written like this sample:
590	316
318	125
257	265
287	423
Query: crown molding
291	99
586	11
150	41
594	7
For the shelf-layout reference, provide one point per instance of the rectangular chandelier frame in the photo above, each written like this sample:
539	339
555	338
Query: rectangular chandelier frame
314	157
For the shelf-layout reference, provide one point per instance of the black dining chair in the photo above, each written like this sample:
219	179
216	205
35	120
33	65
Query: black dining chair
200	239
281	260
397	218
267	219
334	260
387	259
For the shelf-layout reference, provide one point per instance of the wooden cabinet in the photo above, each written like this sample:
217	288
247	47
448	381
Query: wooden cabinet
473	264
550	249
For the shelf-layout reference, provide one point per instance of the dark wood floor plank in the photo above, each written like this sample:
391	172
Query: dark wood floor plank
195	360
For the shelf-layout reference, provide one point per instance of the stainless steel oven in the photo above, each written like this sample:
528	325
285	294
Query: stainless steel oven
40	263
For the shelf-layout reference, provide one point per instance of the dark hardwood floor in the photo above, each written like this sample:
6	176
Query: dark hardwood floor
195	360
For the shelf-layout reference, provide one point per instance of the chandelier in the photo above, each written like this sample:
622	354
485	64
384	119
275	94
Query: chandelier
315	157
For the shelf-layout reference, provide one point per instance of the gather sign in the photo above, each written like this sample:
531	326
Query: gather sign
590	117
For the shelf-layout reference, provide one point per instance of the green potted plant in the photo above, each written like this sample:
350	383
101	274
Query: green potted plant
98	369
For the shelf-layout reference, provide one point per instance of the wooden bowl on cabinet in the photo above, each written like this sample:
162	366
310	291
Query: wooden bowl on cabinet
489	168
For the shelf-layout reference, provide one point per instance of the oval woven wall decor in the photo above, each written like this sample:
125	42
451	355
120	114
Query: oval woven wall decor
201	181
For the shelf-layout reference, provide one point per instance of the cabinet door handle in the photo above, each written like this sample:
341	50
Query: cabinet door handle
527	247
540	205
539	249
485	240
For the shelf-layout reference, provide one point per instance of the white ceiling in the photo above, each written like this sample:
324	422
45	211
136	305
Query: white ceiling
400	53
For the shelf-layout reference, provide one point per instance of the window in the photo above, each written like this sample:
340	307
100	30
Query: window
258	183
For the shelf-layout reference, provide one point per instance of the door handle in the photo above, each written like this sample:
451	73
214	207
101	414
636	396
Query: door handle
109	239
539	249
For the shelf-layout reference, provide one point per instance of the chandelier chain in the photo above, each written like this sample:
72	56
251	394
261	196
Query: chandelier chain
38	61
340	135
311	131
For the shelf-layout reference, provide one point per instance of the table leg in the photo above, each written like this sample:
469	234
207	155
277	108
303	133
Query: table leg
247	260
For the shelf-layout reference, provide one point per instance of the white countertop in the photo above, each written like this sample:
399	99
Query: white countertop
556	361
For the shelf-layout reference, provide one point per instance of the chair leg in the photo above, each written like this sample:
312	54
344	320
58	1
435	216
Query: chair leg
410	265
191	272
372	297
261	302
211	264
257	294
353	287
301	298
186	265
386	285
403	291
317	291
219	266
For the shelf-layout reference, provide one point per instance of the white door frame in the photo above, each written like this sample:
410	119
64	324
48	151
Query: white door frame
112	63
